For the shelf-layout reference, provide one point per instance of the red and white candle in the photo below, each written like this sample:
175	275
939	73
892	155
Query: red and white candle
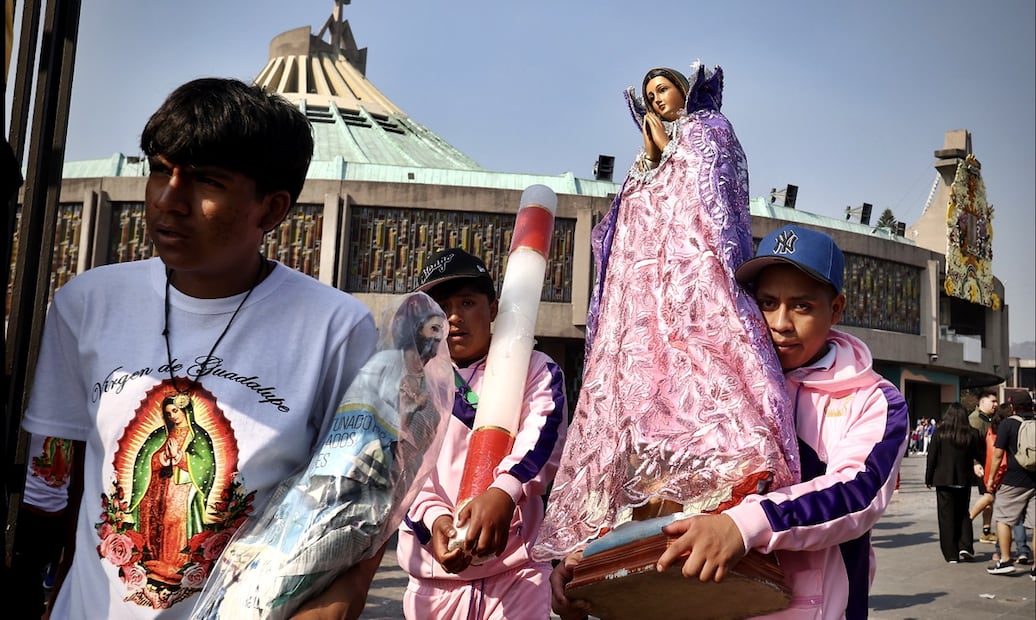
507	365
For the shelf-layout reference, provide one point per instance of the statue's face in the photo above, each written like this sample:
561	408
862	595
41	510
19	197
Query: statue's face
664	98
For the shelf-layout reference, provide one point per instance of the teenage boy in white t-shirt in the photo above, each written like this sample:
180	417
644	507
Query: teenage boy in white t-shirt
176	392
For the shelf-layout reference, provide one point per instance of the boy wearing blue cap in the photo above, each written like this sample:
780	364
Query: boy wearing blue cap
852	427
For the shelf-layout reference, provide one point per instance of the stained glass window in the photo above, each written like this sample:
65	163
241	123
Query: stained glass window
296	243
388	247
67	229
882	294
128	240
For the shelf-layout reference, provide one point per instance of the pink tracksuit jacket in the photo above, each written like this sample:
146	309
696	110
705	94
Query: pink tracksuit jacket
524	474
852	427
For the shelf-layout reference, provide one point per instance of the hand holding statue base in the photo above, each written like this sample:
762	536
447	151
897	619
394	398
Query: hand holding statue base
619	579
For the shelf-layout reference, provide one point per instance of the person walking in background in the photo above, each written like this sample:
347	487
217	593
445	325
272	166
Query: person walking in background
955	457
926	439
980	419
922	430
1019	535
1015	501
915	437
982	416
984	504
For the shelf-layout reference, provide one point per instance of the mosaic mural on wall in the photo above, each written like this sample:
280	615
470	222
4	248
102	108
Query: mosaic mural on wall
882	294
296	243
128	239
388	247
67	229
969	245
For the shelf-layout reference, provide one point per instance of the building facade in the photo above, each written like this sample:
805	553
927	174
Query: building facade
384	193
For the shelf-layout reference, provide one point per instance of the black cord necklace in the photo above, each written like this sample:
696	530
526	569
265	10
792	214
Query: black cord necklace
183	396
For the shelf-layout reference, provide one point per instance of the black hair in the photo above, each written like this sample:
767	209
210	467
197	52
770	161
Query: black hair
229	124
954	426
188	411
985	393
450	287
1002	412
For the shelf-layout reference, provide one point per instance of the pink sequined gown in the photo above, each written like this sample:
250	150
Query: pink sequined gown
682	396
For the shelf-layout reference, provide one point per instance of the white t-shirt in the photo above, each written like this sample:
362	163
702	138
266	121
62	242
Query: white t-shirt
166	482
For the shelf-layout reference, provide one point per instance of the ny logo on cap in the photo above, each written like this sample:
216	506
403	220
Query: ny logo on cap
785	242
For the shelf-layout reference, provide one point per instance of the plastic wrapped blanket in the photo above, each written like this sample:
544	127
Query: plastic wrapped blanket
382	443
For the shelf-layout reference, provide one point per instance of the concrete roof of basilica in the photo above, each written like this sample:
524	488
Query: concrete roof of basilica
359	133
351	118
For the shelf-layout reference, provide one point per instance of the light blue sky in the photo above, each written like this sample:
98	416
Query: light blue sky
847	100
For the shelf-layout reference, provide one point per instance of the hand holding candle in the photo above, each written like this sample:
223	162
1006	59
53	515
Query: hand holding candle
507	364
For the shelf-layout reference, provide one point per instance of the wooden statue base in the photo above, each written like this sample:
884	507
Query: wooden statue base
622	583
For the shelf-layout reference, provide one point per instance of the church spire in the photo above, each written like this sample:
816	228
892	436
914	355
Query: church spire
340	36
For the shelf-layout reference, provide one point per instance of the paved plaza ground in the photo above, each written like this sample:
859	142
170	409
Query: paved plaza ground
913	581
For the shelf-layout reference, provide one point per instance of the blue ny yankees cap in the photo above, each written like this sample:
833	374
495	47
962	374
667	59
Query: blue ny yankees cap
812	251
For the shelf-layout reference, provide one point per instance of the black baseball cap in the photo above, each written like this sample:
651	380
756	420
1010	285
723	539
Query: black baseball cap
451	264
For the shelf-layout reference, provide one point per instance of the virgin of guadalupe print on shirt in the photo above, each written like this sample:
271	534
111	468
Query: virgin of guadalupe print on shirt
175	499
53	463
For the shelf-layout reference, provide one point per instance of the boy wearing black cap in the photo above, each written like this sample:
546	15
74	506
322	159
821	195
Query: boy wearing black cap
502	521
852	428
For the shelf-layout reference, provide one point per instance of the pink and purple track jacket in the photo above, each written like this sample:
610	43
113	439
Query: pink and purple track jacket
524	474
852	427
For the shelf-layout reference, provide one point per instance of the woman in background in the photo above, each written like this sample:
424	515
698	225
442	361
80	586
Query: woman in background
955	462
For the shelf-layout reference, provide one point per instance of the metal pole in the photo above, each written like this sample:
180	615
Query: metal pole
39	210
24	73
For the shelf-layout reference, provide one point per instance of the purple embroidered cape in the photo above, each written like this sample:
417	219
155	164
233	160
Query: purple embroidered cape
683	396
